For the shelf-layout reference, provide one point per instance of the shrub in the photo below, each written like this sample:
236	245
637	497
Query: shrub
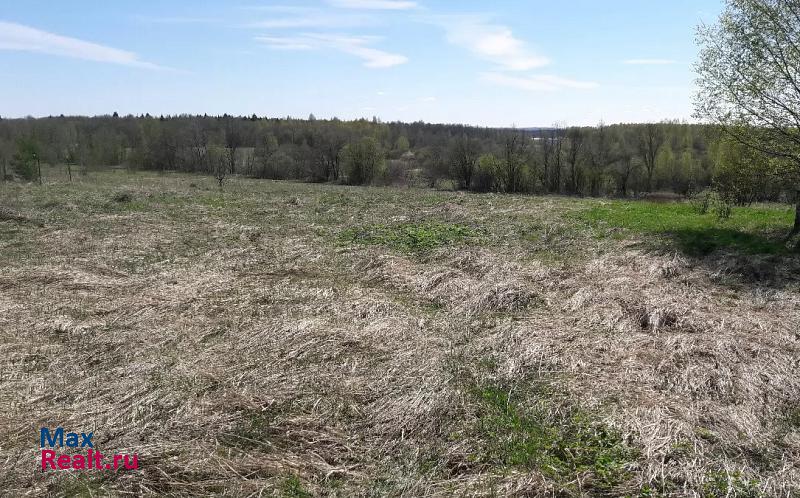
711	200
485	178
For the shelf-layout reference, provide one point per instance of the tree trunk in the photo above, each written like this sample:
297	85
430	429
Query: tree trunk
796	228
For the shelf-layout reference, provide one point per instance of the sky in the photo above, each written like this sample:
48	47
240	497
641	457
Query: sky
501	63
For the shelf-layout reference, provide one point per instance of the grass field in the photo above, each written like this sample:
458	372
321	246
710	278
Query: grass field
282	339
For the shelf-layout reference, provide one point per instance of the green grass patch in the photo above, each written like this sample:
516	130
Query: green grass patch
419	236
750	230
563	442
724	484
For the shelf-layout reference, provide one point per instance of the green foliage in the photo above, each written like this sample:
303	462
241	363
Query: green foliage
401	146
293	488
710	200
733	484
363	161
485	178
25	159
741	173
413	236
748	230
564	444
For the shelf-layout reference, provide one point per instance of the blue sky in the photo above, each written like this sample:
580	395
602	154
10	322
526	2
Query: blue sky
501	63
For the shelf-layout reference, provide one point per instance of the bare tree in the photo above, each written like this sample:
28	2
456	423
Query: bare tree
574	149
650	140
463	158
512	172
218	160
552	145
601	156
233	141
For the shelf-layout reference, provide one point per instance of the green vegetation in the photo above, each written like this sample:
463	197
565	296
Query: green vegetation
293	488
305	368
564	443
750	230
414	236
723	485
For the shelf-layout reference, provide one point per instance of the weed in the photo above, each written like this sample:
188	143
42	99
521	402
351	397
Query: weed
563	444
293	488
733	484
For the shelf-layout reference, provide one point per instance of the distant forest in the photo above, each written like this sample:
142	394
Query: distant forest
623	160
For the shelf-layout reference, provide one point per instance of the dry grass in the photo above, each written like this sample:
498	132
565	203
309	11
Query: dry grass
241	348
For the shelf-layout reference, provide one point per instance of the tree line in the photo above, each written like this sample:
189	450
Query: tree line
612	160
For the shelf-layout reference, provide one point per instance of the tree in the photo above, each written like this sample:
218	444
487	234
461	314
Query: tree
363	161
573	153
6	152
552	145
26	161
463	158
601	156
749	81
219	163
401	145
741	174
512	172
626	167
650	140
233	140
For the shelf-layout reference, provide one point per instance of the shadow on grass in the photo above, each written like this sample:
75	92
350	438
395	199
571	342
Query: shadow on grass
699	242
747	248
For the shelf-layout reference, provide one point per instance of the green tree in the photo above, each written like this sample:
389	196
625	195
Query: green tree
741	173
749	81
26	161
362	161
401	145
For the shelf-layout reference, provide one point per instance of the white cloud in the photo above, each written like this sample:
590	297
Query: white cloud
374	4
18	37
492	42
649	62
543	82
357	46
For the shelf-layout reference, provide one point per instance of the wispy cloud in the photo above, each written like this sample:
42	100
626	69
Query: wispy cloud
493	42
649	62
374	4
358	46
23	38
542	82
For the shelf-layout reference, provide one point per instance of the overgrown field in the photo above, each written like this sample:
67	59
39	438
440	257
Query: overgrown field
290	339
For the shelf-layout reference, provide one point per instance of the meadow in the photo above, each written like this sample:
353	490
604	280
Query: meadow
287	339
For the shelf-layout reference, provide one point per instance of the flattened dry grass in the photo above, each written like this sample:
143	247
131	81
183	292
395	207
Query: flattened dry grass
241	346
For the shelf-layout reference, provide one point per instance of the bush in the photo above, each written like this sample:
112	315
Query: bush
710	200
24	162
485	177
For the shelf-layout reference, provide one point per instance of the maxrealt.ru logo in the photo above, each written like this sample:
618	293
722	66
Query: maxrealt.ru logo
91	460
